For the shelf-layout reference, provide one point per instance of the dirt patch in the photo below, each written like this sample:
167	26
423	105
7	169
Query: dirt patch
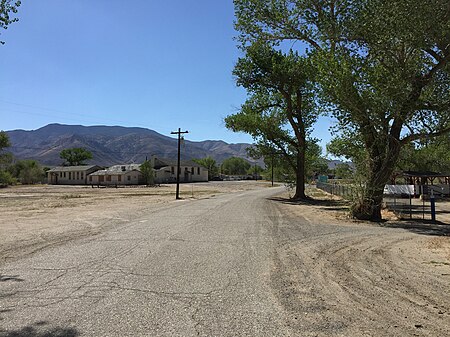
340	277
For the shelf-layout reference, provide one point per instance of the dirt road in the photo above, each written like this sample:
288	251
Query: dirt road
247	263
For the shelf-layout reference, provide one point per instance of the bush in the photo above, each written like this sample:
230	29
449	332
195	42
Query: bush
6	178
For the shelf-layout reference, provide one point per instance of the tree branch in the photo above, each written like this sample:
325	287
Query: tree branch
417	136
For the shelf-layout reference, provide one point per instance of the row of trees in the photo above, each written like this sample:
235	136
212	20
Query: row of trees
25	171
380	68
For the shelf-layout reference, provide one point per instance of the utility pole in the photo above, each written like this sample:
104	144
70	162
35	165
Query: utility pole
179	133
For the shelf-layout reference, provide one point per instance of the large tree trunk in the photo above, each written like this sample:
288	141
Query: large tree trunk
300	176
381	163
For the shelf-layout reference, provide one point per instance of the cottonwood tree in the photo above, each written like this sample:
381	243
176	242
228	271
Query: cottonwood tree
383	68
5	160
210	164
280	109
75	156
235	166
6	8
148	172
426	155
27	171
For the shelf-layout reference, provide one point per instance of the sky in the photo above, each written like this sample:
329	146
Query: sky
161	65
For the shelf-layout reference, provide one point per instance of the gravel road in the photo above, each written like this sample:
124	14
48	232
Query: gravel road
240	264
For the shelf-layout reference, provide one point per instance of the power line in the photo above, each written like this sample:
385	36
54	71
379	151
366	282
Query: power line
88	118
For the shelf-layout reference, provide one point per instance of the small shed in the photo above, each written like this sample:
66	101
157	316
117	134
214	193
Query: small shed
426	181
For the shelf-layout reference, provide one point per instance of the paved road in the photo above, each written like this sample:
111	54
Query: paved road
233	265
193	268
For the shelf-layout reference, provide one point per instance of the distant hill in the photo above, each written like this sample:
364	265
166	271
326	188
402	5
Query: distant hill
113	145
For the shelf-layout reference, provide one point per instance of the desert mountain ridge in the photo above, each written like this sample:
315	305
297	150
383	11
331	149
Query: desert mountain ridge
112	145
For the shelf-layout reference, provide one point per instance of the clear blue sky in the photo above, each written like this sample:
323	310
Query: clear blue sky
154	64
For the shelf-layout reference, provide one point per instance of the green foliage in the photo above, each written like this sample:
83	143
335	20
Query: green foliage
255	169
5	178
315	162
75	156
210	164
235	166
432	155
4	140
281	107
383	69
343	171
148	172
27	171
6	8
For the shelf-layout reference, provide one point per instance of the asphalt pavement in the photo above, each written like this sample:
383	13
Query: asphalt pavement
191	268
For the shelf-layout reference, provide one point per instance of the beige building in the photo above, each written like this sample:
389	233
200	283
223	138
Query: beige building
166	171
117	175
70	175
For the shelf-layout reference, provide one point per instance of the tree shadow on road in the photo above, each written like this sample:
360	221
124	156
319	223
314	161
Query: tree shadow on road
325	204
417	226
38	330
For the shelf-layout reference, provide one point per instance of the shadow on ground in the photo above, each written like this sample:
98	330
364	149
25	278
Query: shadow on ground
331	205
39	329
418	226
425	227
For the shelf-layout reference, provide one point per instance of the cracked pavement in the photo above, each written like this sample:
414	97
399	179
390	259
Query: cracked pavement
196	268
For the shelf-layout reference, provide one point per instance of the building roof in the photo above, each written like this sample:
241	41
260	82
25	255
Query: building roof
73	168
117	170
160	163
424	174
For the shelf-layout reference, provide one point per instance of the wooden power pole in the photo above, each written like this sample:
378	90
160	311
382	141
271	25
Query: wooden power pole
179	133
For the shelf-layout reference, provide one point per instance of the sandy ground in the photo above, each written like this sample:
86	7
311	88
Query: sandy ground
353	278
36	217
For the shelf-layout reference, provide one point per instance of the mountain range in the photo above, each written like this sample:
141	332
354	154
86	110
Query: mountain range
111	145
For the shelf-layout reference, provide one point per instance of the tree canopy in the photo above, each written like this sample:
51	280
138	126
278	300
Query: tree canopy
148	172
280	109
382	66
75	156
235	166
6	8
210	164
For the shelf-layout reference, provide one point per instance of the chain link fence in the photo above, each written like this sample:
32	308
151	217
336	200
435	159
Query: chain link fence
345	191
405	204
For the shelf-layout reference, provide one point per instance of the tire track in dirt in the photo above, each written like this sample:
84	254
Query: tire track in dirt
353	279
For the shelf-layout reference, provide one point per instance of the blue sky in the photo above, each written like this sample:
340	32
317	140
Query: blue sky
154	64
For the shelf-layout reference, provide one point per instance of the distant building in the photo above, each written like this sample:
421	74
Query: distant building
166	171
129	174
70	175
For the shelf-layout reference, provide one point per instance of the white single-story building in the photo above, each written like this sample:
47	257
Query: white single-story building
165	171
129	174
70	175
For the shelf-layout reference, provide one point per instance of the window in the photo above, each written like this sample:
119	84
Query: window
70	175
172	170
90	178
82	175
119	178
128	178
64	174
198	170
108	178
192	170
78	175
